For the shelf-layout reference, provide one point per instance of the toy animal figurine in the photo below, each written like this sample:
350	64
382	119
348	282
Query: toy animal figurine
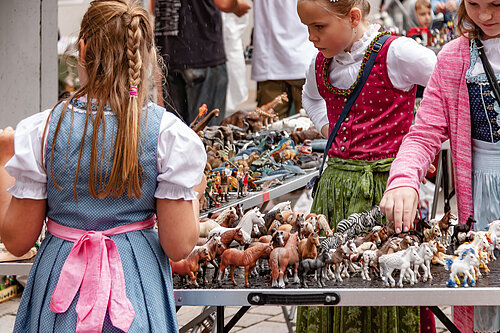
420	226
465	228
462	265
426	252
204	122
322	224
280	258
266	111
247	258
338	256
444	225
189	265
368	260
440	256
308	248
211	245
272	215
251	220
400	260
206	227
356	223
432	233
372	236
316	265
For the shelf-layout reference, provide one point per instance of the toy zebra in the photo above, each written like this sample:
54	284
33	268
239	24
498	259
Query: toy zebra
360	221
332	242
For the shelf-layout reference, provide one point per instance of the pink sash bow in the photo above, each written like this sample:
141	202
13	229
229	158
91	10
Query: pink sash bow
94	267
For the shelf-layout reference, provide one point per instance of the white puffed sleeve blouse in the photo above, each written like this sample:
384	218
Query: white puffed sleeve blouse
181	159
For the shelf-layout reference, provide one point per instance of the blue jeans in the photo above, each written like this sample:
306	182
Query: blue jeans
186	90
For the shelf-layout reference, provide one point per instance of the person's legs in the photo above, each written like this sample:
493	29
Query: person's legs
268	90
210	89
295	95
174	94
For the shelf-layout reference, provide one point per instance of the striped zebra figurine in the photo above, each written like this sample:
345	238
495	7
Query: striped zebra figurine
357	223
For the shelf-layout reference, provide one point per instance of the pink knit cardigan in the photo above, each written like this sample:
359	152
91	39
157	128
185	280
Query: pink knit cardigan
443	114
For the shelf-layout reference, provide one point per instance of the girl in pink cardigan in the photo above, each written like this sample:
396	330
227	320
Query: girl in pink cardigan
458	105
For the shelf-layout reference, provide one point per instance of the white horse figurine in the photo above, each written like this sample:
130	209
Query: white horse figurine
251	220
401	260
207	226
426	252
322	224
284	206
369	258
464	265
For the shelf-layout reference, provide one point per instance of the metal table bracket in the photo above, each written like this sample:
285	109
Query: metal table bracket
329	298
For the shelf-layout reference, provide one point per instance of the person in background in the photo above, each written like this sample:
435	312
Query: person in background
459	104
368	140
237	87
448	8
281	53
102	168
422	12
189	35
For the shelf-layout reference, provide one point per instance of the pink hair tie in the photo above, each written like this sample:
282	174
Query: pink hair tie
133	91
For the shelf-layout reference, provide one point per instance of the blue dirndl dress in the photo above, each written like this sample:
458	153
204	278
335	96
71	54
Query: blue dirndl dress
146	268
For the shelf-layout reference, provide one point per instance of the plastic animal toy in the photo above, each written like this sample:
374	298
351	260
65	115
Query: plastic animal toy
440	256
266	111
207	226
322	224
462	265
284	206
280	258
401	260
355	224
444	224
247	258
211	245
368	259
272	215
426	252
432	233
189	266
466	227
338	256
316	265
372	236
308	248
251	220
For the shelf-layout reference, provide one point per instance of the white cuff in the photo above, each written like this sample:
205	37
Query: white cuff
166	190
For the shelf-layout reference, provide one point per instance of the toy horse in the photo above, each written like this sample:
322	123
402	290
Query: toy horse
246	258
317	264
189	265
464	265
308	248
280	258
400	260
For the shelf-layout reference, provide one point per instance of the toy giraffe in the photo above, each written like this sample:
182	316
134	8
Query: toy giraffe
266	111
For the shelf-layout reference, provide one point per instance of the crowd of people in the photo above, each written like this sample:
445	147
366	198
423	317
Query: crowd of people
107	164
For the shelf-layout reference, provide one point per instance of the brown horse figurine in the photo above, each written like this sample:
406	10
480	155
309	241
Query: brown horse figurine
226	238
246	258
189	266
211	245
281	257
372	236
308	248
444	225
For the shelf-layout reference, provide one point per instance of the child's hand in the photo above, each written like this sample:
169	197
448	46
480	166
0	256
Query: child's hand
6	144
451	6
400	205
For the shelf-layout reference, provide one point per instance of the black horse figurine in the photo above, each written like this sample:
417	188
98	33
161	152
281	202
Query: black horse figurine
466	227
310	265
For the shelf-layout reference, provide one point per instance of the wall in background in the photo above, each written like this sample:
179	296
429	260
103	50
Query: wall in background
28	53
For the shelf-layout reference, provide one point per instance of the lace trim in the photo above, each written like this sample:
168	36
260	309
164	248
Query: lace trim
166	190
348	91
25	188
474	54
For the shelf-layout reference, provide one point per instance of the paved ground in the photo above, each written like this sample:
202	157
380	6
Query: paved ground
262	319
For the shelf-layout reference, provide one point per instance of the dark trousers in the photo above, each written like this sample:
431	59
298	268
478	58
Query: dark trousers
186	90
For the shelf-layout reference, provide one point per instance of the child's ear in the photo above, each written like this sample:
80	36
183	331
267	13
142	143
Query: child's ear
355	16
83	51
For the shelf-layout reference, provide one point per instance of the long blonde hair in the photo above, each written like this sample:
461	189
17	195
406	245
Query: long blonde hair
119	39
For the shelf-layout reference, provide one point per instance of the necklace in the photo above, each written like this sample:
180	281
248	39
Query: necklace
348	91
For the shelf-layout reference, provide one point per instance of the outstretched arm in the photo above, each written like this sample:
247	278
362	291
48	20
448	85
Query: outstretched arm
21	220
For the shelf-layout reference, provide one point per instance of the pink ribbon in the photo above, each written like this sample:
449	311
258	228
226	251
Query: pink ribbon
94	267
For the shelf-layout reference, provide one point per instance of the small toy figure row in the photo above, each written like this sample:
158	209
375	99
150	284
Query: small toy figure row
219	183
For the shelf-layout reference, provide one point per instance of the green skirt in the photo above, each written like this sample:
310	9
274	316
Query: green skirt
346	187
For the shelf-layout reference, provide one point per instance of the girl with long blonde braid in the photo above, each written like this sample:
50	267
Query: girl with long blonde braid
101	168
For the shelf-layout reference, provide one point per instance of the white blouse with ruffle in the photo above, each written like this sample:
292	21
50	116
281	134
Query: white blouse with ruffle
181	159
